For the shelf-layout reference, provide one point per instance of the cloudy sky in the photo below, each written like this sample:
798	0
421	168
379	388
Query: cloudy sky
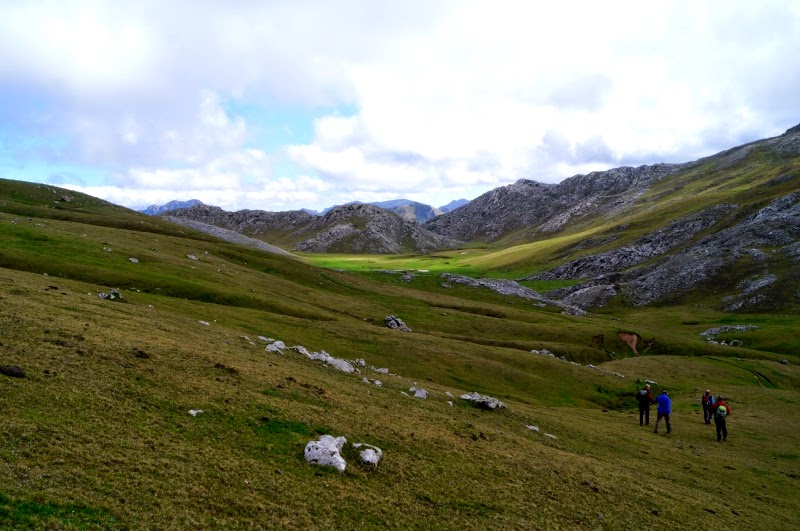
280	105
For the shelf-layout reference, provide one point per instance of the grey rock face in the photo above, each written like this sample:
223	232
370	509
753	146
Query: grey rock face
546	208
641	250
776	226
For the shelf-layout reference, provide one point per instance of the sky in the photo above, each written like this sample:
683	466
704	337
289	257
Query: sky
282	105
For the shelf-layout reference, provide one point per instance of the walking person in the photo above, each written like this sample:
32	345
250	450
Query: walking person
645	398
664	410
708	403
721	412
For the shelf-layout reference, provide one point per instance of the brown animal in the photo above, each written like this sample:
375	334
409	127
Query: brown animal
632	339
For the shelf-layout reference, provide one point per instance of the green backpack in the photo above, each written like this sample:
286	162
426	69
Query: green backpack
722	412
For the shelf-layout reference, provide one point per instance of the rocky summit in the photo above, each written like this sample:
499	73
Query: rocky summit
363	228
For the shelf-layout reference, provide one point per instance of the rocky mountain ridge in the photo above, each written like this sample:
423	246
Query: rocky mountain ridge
540	208
364	228
154	210
355	228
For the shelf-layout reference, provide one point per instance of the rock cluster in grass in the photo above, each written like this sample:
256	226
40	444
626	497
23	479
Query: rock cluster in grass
712	333
511	288
395	323
112	295
326	451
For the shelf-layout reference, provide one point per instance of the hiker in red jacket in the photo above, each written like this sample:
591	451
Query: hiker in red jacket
645	398
707	402
721	411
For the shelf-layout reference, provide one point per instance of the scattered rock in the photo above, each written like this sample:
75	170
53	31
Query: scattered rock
276	346
484	402
191	257
550	435
533	428
712	333
325	452
336	363
13	371
133	260
510	287
784	362
396	323
113	295
204	323
195	412
371	455
420	393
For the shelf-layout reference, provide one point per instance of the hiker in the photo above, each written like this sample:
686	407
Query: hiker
708	403
721	411
664	409
645	398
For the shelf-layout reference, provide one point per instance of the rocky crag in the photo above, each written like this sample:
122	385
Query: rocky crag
536	209
363	228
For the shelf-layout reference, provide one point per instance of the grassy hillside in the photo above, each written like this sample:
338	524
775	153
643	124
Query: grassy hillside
98	434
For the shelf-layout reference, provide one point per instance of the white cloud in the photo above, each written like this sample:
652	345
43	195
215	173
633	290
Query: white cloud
445	98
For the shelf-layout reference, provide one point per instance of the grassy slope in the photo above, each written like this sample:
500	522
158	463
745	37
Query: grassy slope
98	433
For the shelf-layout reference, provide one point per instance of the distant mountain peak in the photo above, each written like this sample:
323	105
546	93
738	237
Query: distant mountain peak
154	210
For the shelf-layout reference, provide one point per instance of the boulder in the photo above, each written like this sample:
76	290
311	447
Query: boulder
395	323
371	455
481	401
325	452
276	346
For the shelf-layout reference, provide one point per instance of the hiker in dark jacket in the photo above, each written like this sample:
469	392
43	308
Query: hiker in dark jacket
721	411
707	401
664	410
645	398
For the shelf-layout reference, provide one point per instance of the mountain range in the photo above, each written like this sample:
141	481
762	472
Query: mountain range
728	225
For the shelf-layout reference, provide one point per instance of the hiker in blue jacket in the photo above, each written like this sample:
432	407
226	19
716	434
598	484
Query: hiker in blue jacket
664	410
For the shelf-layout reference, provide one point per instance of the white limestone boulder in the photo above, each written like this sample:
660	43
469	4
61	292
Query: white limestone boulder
325	452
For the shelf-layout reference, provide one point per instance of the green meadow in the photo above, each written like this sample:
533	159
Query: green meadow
98	434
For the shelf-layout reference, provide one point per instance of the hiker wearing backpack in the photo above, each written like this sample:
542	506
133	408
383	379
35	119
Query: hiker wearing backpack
645	398
708	403
664	410
721	411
